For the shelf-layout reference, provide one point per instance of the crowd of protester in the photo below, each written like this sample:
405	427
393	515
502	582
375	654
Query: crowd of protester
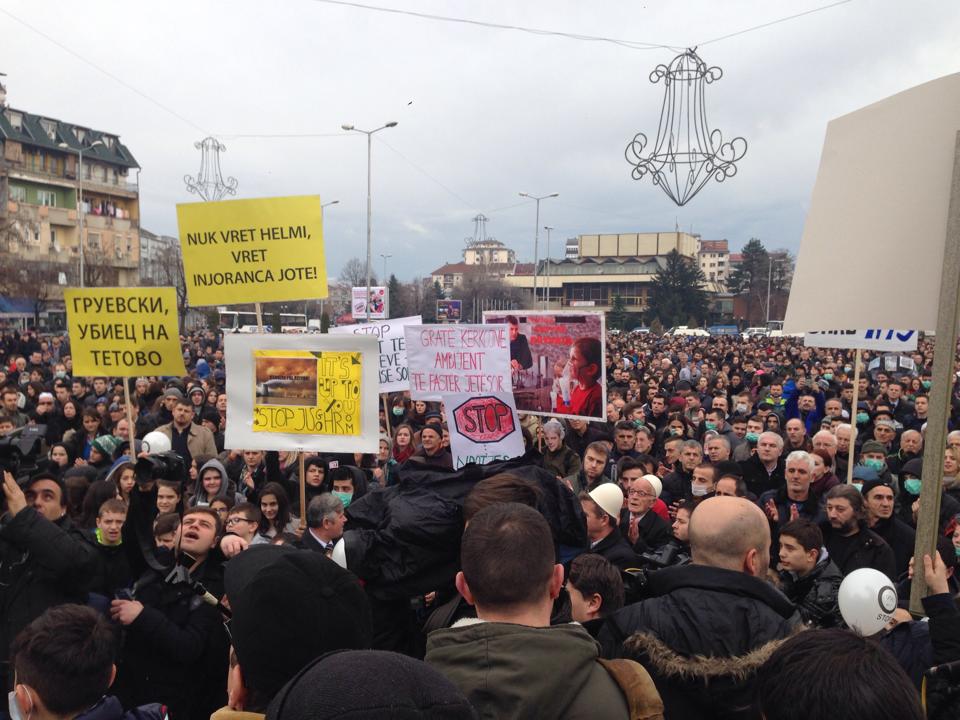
680	558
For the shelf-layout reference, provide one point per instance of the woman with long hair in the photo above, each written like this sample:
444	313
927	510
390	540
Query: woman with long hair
403	446
275	511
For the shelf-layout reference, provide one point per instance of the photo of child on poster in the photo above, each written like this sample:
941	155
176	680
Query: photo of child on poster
556	362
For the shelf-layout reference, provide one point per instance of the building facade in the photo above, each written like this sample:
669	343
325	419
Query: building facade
40	179
159	257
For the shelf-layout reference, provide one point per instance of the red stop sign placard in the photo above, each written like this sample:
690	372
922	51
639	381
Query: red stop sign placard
484	419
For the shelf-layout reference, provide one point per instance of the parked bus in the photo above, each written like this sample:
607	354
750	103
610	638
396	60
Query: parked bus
234	321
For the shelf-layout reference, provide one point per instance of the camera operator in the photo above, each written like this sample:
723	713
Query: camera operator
43	560
176	648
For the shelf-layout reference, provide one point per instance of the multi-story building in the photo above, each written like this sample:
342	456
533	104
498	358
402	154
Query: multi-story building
606	266
714	259
572	248
40	179
159	257
488	257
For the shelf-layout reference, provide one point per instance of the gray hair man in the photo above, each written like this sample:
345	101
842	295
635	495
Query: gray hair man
325	521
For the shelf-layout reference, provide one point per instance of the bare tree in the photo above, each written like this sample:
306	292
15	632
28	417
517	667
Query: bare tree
354	273
169	273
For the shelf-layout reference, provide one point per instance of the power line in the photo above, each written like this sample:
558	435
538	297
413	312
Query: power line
774	22
427	175
633	45
106	72
283	136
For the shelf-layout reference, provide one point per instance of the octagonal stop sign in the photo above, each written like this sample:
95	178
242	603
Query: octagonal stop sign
484	419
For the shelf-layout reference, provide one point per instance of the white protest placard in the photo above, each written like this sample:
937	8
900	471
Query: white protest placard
393	349
483	428
873	339
309	392
447	359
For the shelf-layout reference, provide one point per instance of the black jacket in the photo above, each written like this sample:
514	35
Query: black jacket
175	652
655	532
109	708
900	537
757	478
702	636
676	486
42	564
112	569
617	550
867	550
815	594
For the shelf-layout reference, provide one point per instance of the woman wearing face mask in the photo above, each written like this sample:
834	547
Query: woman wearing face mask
398	412
347	483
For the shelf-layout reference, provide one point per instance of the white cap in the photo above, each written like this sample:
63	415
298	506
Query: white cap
609	497
655	483
339	555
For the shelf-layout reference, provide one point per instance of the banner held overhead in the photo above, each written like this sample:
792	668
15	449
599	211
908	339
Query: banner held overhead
124	331
394	370
243	251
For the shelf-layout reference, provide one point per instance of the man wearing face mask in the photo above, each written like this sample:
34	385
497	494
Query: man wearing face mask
65	662
43	560
910	485
873	454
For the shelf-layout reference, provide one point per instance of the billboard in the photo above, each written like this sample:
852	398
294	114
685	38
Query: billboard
557	362
377	302
448	311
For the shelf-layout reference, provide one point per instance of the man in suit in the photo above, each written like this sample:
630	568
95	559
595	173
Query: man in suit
325	520
601	507
643	529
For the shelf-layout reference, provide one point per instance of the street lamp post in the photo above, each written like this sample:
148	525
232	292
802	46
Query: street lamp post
80	151
369	134
546	299
385	266
323	227
536	238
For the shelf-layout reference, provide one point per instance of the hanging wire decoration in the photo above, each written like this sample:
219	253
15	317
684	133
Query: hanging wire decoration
209	183
687	153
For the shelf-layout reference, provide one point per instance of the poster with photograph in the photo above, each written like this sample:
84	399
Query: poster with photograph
313	393
557	362
449	311
377	301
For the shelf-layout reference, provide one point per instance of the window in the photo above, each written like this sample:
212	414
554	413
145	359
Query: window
81	135
53	237
49	127
93	240
18	193
47	197
16	120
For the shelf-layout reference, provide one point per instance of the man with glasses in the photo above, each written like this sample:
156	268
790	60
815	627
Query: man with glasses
643	529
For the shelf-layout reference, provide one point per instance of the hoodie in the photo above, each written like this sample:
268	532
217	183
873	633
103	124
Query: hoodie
200	495
515	671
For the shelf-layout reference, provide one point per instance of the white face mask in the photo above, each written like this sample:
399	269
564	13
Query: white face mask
13	707
699	490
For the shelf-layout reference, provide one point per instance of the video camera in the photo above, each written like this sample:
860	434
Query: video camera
636	580
19	451
162	466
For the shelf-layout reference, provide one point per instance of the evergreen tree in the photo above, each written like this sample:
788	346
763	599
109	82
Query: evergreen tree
398	305
617	314
750	277
677	291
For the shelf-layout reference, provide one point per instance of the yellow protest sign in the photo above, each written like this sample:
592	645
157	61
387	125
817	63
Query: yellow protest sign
124	332
264	250
307	393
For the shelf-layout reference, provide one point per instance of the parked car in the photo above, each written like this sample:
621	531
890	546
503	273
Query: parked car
683	330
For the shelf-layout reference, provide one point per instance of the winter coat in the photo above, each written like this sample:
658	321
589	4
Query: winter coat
514	671
112	570
815	594
109	708
655	532
200	441
868	550
561	462
810	509
175	652
617	550
702	635
900	537
199	496
578	482
757	478
42	564
404	540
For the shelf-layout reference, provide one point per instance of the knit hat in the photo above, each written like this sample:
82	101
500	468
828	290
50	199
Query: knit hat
434	427
609	497
865	474
289	607
872	446
105	445
913	467
655	482
869	485
173	393
338	685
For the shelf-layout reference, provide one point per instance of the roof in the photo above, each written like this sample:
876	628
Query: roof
523	269
714	246
32	133
736	257
462	267
452	268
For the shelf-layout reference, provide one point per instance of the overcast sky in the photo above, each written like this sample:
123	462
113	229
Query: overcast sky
483	113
